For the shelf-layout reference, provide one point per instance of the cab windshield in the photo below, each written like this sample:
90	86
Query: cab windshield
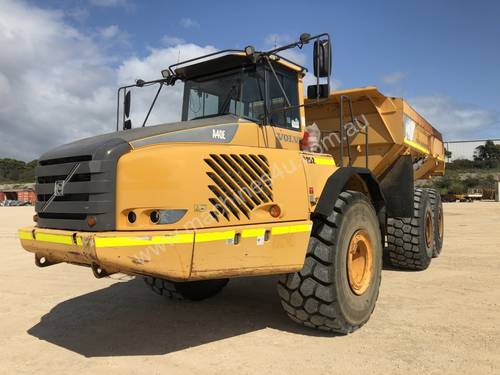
244	93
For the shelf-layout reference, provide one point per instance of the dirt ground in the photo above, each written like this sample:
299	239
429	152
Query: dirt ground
444	320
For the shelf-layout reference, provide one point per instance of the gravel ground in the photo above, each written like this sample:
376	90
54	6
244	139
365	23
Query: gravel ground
444	320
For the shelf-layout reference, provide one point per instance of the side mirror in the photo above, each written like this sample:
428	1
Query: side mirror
324	91
126	104
322	58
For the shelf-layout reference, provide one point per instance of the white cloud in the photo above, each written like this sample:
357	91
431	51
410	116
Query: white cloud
78	14
394	78
109	3
457	120
109	32
170	40
188	23
57	84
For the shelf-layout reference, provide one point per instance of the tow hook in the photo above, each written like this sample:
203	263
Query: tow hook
99	272
43	261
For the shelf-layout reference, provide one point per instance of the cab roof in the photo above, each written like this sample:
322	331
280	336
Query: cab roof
223	61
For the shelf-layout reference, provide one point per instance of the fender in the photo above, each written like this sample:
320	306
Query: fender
336	184
398	187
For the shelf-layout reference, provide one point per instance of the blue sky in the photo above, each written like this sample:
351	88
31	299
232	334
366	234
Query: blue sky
439	47
443	56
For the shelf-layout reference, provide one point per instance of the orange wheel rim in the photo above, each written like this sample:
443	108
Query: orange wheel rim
428	230
440	223
360	262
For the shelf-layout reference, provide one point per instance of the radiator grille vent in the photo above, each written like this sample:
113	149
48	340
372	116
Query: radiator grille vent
239	183
86	190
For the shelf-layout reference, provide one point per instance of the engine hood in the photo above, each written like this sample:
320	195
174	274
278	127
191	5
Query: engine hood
78	179
201	130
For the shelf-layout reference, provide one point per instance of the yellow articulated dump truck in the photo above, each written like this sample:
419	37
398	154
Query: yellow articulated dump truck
255	180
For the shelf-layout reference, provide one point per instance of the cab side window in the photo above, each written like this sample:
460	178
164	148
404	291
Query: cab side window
284	118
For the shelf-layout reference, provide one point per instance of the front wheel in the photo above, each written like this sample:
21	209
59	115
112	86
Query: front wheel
192	290
338	286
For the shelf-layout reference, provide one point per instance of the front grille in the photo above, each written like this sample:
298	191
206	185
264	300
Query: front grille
89	191
70	159
240	183
52	179
61	216
82	197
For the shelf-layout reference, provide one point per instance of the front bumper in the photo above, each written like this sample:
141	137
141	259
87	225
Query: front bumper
177	255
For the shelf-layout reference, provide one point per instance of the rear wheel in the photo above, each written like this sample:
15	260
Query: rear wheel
192	290
410	241
338	286
437	209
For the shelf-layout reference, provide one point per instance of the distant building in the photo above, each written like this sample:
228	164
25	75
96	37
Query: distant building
18	192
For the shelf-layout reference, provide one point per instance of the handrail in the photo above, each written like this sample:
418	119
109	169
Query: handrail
346	98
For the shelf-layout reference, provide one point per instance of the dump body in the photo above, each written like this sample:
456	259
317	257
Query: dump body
394	128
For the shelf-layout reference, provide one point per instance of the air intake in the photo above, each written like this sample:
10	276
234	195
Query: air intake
240	183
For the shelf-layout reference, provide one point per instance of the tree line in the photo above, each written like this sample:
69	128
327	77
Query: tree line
464	174
16	171
485	156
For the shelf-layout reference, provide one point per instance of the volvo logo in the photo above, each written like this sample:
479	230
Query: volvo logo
59	188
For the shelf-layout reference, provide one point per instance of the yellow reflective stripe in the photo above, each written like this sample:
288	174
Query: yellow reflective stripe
323	161
49	237
215	236
248	233
291	229
417	146
143	241
25	235
101	242
54	238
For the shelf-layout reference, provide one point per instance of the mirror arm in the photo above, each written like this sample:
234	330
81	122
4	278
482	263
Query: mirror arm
153	104
124	99
118	109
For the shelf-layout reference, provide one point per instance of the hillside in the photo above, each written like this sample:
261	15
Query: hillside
16	171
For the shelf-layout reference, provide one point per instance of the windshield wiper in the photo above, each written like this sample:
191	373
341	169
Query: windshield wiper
277	80
227	101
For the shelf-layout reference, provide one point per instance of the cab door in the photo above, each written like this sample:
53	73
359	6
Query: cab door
284	128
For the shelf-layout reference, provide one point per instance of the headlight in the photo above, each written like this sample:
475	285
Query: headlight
167	216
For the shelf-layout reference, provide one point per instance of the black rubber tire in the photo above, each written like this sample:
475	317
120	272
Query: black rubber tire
406	244
191	290
319	295
437	208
